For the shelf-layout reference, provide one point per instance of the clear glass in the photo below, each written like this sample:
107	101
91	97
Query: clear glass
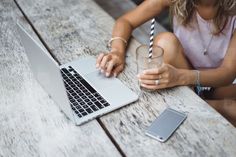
144	63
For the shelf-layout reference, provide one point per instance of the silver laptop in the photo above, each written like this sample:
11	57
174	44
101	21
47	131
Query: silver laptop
78	88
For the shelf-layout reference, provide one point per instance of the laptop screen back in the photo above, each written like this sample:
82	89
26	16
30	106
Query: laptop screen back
46	71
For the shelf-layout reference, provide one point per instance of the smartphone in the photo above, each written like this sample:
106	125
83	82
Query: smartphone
166	124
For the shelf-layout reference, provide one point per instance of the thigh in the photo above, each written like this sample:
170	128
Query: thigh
173	50
226	107
227	92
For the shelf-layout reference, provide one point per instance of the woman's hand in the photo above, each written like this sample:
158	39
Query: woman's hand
159	78
112	63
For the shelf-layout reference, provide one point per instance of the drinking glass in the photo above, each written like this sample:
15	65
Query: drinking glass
144	62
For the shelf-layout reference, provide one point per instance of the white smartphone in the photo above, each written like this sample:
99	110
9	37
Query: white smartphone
165	124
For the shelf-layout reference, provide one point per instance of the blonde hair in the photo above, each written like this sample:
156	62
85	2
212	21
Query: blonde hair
184	10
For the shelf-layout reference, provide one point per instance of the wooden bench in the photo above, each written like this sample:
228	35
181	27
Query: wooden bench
31	124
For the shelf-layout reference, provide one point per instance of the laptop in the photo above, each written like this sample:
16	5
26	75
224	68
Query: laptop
77	87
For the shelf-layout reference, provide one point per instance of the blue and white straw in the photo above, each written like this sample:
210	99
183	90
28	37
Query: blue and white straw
151	38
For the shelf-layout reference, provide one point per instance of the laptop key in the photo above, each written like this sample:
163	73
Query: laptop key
90	88
78	107
98	104
65	70
91	96
103	101
96	95
75	103
72	100
85	106
100	98
70	91
86	100
79	99
73	94
76	97
93	99
73	79
94	107
106	104
82	103
81	94
89	103
89	110
84	113
81	110
76	88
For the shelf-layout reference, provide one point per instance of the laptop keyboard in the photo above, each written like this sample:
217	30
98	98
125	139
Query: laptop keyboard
84	99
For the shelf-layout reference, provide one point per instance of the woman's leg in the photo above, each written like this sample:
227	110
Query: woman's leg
173	50
228	92
223	99
226	107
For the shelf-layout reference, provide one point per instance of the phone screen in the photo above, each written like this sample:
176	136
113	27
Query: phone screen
165	124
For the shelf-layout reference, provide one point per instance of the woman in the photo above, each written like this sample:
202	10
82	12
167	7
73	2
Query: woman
201	51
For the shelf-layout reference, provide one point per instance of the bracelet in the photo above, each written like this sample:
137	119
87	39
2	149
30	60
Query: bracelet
197	77
115	38
198	85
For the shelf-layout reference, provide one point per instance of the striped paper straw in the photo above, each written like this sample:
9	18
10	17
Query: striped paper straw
151	38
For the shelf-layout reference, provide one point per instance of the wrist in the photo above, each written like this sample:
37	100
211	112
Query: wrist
187	77
118	51
118	43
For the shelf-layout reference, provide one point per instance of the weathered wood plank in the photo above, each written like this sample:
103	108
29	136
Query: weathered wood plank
30	122
204	133
74	28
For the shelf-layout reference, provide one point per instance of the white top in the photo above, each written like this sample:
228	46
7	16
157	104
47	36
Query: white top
195	40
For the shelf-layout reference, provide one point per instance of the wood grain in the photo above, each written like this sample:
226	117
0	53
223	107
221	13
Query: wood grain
30	122
73	28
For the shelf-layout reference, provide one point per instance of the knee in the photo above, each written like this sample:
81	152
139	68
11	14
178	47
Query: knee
166	39
171	45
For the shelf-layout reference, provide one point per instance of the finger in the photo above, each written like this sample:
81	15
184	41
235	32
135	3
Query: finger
148	77
155	71
154	87
99	59
110	66
150	82
117	70
104	62
154	82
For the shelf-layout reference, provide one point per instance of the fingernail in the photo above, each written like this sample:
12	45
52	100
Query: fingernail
138	75
102	71
115	74
107	74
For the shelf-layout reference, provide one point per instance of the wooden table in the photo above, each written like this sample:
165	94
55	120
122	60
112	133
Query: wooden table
31	123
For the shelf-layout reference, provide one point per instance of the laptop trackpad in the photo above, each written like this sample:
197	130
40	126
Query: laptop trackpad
113	90
99	81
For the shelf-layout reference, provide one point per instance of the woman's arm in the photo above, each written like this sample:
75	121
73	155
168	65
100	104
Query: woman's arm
123	28
169	76
222	76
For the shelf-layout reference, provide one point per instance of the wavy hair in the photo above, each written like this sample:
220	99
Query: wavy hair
184	10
